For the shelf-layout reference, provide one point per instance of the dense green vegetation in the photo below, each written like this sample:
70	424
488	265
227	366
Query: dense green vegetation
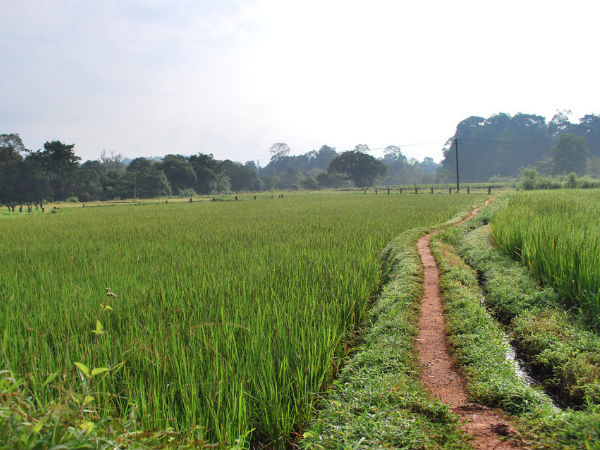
556	235
552	343
502	145
495	149
228	316
378	401
56	174
477	340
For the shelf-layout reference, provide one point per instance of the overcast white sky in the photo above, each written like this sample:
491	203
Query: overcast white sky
151	77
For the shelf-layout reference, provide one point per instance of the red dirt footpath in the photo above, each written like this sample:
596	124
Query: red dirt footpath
438	374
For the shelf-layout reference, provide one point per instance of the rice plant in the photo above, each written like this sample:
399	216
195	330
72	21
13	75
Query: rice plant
224	318
556	234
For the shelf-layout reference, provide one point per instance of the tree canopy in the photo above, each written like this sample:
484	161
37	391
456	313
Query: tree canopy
502	145
359	167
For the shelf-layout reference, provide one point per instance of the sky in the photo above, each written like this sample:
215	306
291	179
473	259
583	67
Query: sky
153	77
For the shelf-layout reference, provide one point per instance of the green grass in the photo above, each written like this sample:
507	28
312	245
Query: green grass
564	353
478	343
552	342
229	316
557	236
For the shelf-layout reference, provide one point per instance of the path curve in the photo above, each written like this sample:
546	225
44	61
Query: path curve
438	373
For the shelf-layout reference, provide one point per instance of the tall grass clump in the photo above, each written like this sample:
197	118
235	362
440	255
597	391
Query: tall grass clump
224	318
556	234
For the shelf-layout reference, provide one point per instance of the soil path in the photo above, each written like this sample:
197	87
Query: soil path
489	428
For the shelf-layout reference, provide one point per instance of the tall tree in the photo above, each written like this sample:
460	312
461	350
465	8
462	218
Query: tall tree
359	167
241	177
146	179
61	163
498	145
209	177
11	168
179	172
570	153
111	162
278	150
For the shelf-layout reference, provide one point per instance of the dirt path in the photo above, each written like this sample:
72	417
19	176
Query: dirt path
438	374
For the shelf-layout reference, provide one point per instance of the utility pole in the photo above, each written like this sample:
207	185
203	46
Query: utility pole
456	150
134	186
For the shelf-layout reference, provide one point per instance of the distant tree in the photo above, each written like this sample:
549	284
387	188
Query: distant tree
570	153
209	177
138	165
363	148
278	150
359	167
146	180
560	123
309	183
241	177
38	182
592	167
61	164
12	142
89	186
589	127
116	185
11	168
393	153
251	165
323	157
179	172
499	145
429	165
111	162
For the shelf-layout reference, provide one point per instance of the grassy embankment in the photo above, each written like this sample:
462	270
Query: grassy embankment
229	316
378	400
561	352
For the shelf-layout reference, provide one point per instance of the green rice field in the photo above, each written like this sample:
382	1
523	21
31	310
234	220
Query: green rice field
222	318
556	234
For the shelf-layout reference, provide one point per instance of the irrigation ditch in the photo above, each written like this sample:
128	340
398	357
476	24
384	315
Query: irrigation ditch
454	359
516	347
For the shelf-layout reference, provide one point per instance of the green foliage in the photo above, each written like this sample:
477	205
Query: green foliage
501	145
569	154
529	178
556	236
378	400
228	316
552	343
478	343
359	167
497	145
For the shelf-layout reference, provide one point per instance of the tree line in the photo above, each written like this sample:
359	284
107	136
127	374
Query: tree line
504	145
56	173
489	148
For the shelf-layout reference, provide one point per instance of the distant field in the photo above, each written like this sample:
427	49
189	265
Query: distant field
229	316
556	234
